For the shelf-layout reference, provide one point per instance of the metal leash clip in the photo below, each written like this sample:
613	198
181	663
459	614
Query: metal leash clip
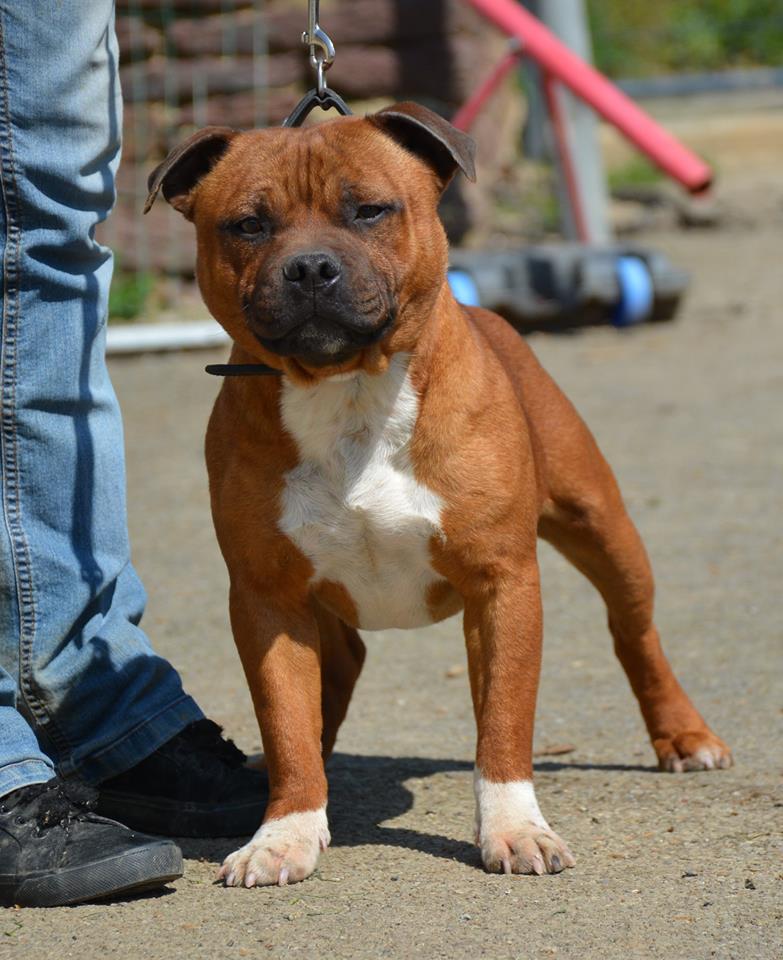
322	54
321	47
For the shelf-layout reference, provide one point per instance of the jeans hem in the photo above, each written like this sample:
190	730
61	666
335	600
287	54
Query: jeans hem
136	745
24	773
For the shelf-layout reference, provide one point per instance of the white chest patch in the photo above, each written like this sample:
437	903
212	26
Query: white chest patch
353	505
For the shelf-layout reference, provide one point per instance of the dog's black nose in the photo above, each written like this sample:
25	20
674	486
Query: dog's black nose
312	270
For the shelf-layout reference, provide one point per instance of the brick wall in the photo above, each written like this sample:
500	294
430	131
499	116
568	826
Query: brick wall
188	63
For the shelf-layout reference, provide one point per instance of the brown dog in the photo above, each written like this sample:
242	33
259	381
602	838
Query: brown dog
397	472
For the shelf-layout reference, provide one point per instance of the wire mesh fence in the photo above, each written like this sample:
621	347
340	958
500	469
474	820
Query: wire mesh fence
179	64
188	63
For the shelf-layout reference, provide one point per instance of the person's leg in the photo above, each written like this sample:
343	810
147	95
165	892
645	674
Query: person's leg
21	761
53	849
95	692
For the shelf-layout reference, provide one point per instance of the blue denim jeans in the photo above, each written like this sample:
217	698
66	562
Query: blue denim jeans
80	687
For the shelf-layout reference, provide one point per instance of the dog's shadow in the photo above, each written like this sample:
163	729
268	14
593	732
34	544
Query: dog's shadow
367	791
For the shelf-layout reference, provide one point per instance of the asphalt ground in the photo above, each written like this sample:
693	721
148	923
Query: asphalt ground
669	866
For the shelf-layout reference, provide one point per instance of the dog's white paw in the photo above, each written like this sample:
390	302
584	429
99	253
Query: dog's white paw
527	848
693	750
511	832
282	851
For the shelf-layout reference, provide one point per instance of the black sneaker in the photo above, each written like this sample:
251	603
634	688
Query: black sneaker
196	785
54	850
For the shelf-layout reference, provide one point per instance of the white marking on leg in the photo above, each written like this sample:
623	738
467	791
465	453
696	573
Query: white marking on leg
502	807
281	851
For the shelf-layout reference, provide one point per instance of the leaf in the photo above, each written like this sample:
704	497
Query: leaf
555	750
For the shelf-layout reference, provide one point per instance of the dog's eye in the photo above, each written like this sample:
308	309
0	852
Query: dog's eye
251	226
368	212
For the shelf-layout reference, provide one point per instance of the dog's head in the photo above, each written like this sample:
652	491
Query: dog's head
319	249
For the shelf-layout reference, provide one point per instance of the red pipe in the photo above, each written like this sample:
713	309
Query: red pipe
605	98
465	117
565	156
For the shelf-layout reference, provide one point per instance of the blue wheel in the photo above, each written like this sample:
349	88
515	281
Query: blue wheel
637	296
464	288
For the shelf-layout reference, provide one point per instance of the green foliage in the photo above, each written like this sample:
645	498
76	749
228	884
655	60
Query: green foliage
129	294
637	172
639	38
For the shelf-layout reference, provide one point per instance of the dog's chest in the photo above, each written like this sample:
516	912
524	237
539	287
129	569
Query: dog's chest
352	504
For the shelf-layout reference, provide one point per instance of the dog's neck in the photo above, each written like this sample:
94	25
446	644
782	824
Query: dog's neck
354	409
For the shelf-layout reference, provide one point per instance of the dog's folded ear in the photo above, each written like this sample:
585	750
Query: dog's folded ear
186	165
430	137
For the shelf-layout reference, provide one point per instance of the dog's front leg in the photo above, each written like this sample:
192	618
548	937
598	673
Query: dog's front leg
280	654
503	635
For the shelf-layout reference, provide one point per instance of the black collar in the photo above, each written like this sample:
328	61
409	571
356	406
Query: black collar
242	370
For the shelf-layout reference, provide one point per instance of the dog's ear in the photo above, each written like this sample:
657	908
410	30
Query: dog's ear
430	137
186	165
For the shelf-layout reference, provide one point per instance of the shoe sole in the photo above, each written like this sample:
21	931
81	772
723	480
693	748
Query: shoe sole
147	868
172	818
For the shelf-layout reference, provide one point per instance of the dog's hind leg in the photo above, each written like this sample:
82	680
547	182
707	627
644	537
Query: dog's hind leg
584	517
342	658
586	520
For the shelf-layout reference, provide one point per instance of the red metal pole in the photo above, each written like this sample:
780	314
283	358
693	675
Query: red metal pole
586	82
465	117
565	156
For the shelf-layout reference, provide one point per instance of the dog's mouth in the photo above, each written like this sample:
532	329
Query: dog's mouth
321	341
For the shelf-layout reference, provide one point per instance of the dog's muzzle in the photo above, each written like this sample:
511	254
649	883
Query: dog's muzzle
314	312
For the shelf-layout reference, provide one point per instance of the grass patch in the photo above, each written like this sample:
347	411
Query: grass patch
129	295
637	172
632	38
